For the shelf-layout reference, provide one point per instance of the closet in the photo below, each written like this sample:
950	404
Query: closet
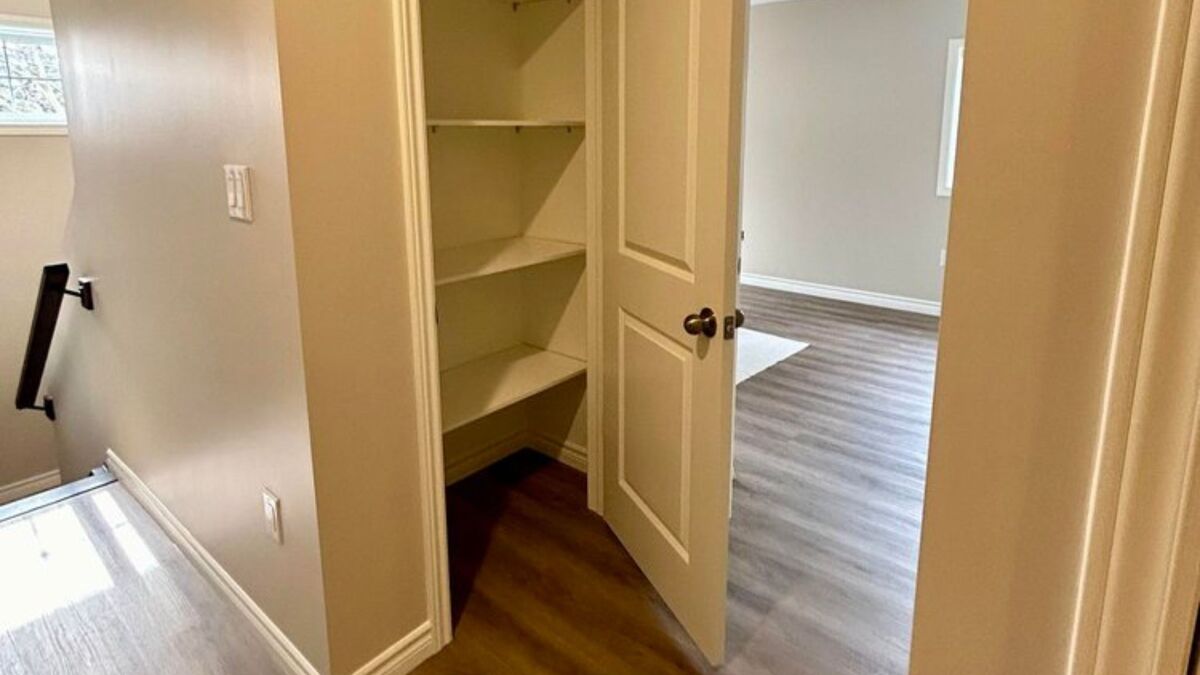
581	172
511	200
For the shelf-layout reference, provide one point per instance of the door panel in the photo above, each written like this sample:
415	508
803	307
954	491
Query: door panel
654	430
656	111
670	134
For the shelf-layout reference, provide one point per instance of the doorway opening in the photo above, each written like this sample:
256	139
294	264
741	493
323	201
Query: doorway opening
850	135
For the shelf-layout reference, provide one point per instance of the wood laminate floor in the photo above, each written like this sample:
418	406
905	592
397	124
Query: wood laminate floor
830	453
830	457
92	586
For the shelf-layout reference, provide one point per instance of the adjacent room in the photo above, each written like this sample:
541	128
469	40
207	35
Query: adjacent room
850	131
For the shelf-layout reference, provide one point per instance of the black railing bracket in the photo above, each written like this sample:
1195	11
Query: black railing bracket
84	294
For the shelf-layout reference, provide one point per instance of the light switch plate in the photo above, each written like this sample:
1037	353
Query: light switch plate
238	195
272	517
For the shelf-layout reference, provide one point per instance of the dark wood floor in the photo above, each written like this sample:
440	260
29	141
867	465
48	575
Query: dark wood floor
830	458
540	585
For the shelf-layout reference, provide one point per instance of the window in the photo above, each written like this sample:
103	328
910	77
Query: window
31	88
950	110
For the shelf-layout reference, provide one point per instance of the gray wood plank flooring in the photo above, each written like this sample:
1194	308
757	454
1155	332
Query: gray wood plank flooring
830	456
92	585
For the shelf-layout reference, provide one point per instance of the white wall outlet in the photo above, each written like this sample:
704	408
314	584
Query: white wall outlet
942	260
238	196
272	516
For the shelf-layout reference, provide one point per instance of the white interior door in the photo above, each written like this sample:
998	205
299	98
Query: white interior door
671	93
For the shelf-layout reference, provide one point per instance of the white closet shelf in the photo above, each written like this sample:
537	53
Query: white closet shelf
515	124
483	386
497	256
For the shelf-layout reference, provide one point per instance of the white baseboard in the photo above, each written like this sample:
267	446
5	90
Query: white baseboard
29	486
404	656
571	454
478	460
399	659
567	452
289	655
871	298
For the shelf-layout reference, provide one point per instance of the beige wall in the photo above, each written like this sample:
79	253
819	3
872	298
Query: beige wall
35	193
1053	112
843	127
225	357
191	366
39	8
344	158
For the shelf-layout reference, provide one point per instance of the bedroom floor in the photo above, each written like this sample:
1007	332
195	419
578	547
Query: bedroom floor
830	454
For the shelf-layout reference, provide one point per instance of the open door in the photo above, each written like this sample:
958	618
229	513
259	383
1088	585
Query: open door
671	91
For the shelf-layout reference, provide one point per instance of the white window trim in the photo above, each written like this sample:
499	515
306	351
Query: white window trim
33	130
951	108
40	24
26	21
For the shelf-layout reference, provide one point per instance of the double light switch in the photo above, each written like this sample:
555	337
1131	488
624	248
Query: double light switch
237	192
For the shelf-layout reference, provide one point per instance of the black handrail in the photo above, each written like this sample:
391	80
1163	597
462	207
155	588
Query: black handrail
41	333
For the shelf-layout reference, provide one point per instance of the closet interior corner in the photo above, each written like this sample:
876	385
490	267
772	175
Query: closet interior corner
506	89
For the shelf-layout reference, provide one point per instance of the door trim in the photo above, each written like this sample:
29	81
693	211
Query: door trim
1140	568
595	242
414	176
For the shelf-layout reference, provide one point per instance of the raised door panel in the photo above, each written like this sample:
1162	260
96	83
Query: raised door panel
656	69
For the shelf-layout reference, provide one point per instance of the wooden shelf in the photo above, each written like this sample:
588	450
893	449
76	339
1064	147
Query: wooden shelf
513	124
498	255
483	386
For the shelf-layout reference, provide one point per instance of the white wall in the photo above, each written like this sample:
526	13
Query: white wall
843	124
35	194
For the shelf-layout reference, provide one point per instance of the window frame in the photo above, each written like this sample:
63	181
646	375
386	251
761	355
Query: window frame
34	24
951	112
